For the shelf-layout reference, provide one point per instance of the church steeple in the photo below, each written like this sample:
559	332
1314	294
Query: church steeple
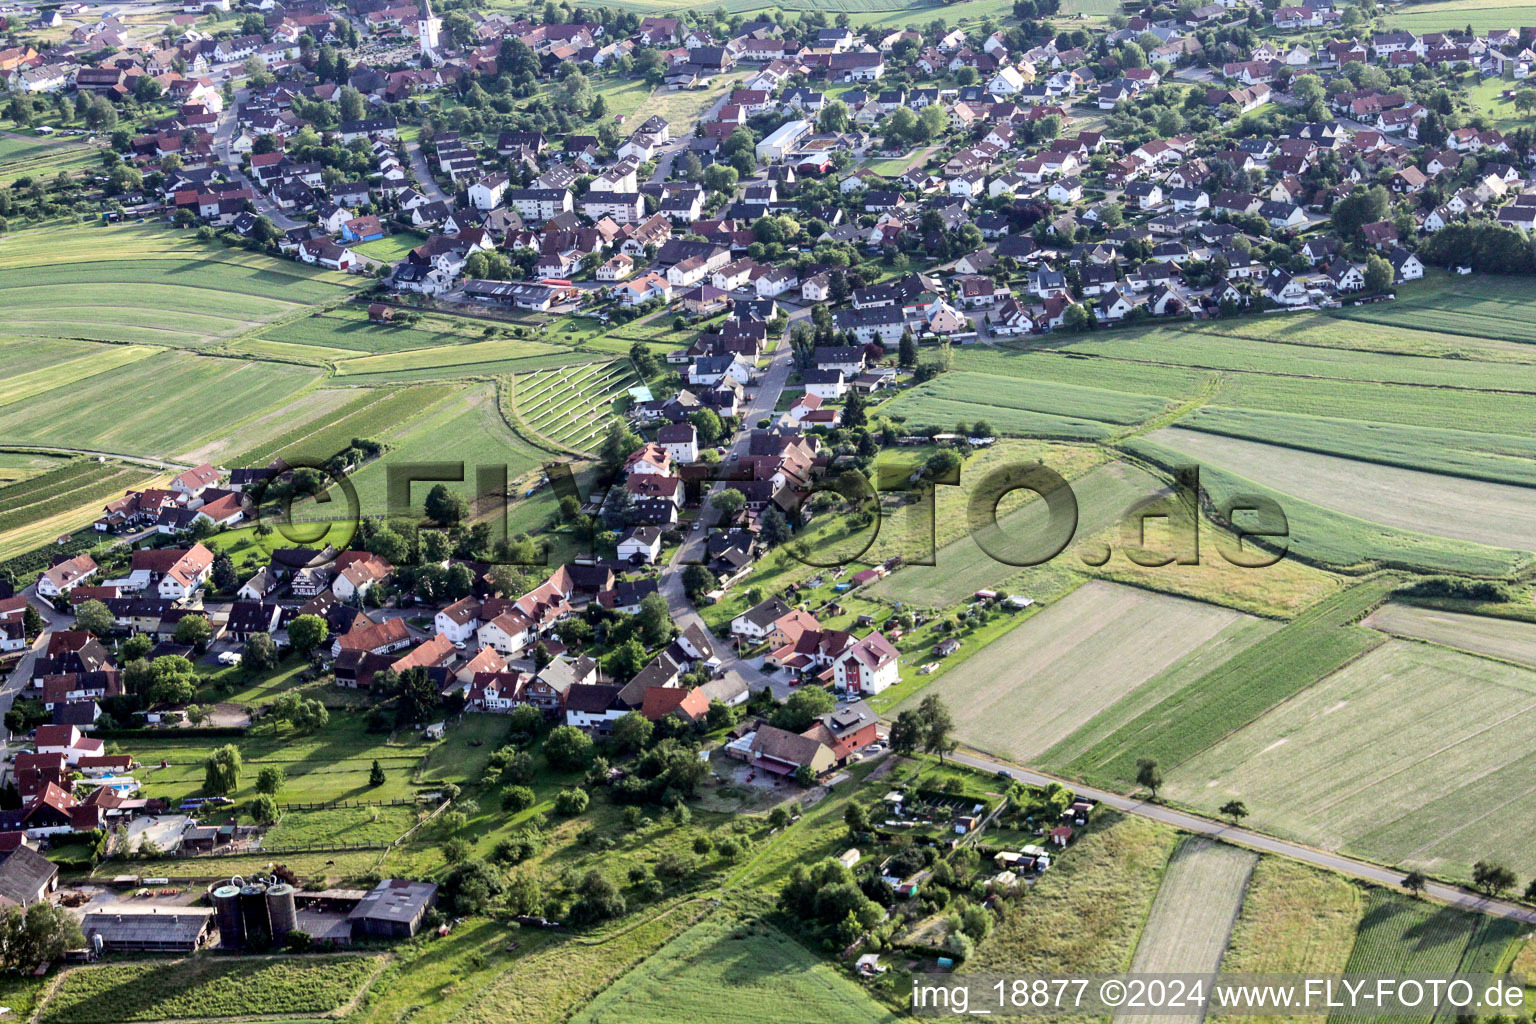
427	29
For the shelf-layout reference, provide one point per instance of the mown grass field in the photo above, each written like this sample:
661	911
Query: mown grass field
1278	666
727	969
148	285
40	157
1412	755
1505	639
1496	515
1294	919
1019	407
347	329
163	405
1196	907
1482	15
1025	692
201	988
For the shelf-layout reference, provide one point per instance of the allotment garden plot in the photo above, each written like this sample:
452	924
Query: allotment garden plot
1036	685
570	406
1411	755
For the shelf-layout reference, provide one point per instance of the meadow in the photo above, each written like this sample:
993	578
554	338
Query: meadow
1197	904
148	285
1294	919
464	425
1504	639
201	988
348	330
342	825
1285	662
727	969
1457	14
22	157
1411	755
1025	692
164	405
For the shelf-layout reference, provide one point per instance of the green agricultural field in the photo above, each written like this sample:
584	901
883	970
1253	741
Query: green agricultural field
465	371
1318	642
60	490
1407	938
1022	359
1446	15
348	329
66	368
1014	406
961	567
1505	639
1330	538
465	426
368	414
203	988
458	358
1477	511
1294	919
22	157
163	405
1482	307
1027	691
147	285
1087	912
724	969
1193	915
1412	755
1500	459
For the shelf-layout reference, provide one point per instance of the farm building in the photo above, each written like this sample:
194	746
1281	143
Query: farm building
148	930
392	909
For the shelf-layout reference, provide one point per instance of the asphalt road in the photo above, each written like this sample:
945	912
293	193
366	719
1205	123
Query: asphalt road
1256	841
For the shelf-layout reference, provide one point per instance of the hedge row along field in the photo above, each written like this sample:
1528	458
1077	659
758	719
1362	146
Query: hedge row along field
200	988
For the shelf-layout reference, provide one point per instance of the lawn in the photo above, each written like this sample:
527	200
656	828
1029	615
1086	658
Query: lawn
1276	667
201	988
1505	639
1411	755
1294	919
391	248
148	285
1193	915
1027	691
727	969
126	411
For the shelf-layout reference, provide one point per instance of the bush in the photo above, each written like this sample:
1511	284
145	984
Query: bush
571	802
516	798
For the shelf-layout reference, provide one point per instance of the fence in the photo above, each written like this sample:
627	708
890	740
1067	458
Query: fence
338	804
